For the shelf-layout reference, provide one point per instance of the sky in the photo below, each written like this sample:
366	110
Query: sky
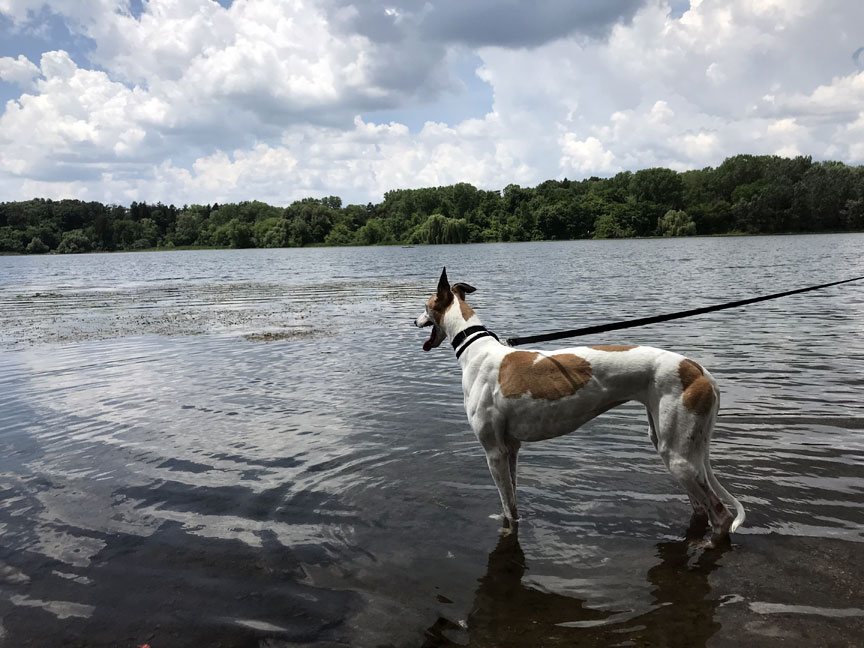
199	101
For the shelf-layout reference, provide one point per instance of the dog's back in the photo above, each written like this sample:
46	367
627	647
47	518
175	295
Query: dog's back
544	394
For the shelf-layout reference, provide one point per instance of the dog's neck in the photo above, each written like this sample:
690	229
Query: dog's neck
460	318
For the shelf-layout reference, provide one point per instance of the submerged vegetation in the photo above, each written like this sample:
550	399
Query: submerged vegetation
745	194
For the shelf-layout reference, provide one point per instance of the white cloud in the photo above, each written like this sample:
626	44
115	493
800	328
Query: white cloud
311	161
852	135
840	98
280	61
195	102
262	164
685	93
18	10
20	71
586	157
698	146
73	116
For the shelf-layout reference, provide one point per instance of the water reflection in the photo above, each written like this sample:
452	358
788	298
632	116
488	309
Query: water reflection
507	612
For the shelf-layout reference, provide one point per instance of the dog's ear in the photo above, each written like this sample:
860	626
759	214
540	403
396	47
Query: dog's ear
461	289
444	286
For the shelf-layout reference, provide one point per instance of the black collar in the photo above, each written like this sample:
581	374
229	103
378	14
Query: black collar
460	337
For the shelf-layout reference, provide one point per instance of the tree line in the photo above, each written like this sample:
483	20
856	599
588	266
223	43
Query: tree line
745	194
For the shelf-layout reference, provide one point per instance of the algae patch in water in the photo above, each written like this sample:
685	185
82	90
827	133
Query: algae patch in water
274	336
77	314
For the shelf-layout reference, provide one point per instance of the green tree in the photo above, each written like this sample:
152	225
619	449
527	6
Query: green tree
102	229
36	246
608	226
311	220
45	232
712	217
149	232
11	240
341	234
676	223
126	232
187	229
852	214
439	229
234	234
74	242
737	171
374	232
271	233
662	187
821	195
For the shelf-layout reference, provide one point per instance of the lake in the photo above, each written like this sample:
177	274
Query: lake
250	448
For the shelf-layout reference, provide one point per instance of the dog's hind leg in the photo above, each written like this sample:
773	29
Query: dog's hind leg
653	416
715	485
694	478
652	426
513	446
683	439
718	498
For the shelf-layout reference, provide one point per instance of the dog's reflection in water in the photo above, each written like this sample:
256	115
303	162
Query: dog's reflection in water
508	613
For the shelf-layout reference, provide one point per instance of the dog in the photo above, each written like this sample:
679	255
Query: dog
514	396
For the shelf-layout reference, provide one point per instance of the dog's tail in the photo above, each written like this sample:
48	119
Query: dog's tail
727	496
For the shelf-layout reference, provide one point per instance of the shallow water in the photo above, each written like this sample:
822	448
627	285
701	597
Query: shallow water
249	448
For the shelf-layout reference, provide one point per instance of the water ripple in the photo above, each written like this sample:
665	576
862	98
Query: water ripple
250	446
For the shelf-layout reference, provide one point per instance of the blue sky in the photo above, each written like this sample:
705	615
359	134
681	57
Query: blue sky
43	33
199	101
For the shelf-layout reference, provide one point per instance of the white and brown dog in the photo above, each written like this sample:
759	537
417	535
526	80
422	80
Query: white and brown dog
514	396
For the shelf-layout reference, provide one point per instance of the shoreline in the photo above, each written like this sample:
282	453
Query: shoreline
195	248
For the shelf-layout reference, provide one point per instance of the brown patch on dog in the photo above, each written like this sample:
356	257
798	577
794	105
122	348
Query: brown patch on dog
438	303
698	394
467	311
689	372
550	378
437	307
613	348
461	289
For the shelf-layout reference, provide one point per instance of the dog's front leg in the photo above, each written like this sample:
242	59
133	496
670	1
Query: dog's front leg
498	458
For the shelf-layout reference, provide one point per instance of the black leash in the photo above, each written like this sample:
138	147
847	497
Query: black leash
615	326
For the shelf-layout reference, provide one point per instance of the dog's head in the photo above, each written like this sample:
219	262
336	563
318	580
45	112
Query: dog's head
437	307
